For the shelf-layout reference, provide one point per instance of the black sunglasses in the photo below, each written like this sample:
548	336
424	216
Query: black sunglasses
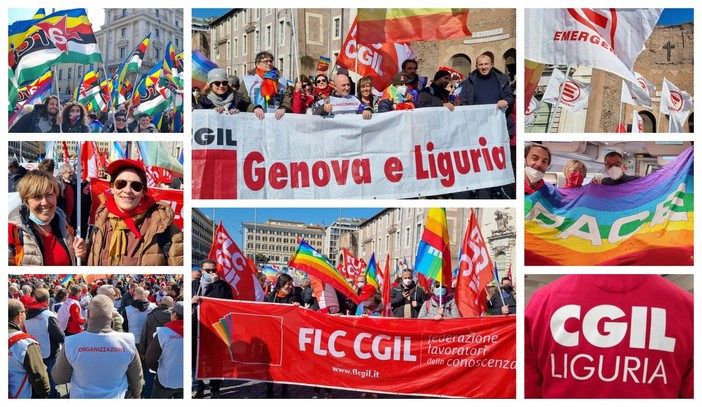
304	85
121	119
209	270
136	185
218	83
320	80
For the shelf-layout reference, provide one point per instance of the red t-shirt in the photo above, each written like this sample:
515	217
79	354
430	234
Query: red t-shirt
609	336
54	253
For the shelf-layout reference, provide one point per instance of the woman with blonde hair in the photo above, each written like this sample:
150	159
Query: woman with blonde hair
39	233
575	172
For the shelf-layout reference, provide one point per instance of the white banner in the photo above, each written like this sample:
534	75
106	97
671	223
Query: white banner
607	39
637	125
676	104
405	154
575	93
638	93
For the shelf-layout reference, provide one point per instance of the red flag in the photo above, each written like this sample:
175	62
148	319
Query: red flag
474	271
351	266
387	283
89	158
423	282
233	267
66	157
411	24
621	128
509	273
104	159
379	61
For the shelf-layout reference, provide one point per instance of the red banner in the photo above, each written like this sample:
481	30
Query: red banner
466	357
173	197
474	271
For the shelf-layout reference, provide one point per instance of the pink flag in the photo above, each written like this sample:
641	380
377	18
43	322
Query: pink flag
474	272
233	267
89	157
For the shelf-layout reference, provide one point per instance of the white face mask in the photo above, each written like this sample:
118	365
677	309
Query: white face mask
533	175
402	89
615	173
407	281
360	285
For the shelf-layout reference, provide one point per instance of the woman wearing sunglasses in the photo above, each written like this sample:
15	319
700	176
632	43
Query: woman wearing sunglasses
132	228
39	232
303	95
218	95
322	87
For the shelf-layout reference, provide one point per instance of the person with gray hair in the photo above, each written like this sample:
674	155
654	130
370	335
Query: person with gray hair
24	362
267	90
83	359
137	312
117	320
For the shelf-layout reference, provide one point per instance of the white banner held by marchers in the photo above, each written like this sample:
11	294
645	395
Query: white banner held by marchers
607	39
404	154
575	93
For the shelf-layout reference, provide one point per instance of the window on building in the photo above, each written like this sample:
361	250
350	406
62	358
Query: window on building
124	12
281	33
407	237
257	40
229	26
157	53
157	13
177	43
269	37
337	27
60	74
177	22
228	50
70	73
80	71
122	52
124	32
236	47
236	21
258	13
397	240
244	48
158	33
281	64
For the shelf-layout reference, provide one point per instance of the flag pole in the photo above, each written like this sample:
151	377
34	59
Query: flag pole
552	116
621	105
79	171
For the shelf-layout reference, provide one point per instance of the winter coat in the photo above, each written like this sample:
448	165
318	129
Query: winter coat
32	246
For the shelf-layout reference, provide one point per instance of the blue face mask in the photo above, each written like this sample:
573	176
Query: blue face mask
440	291
38	221
207	277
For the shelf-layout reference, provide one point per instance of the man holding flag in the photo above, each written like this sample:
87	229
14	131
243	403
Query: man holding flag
507	305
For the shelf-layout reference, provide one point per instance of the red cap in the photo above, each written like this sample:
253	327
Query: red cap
366	292
116	166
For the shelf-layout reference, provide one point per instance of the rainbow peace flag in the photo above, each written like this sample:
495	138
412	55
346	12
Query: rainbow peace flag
384	25
372	272
225	330
201	66
648	221
310	261
270	272
434	252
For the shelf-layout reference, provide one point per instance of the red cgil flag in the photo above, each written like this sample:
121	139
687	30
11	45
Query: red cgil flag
233	267
474	271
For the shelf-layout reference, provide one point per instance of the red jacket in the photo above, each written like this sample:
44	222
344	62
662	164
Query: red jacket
609	336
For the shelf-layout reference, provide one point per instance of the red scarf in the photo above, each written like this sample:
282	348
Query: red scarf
528	190
323	93
269	87
146	202
176	326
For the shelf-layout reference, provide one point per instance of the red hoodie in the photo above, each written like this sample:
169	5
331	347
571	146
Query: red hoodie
609	336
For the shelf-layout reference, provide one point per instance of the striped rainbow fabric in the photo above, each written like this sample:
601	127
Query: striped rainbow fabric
201	66
386	25
648	221
307	259
434	252
372	272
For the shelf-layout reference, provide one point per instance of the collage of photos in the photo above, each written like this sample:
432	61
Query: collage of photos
301	287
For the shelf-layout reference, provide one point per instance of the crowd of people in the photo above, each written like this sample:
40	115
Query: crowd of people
408	300
73	117
95	336
129	227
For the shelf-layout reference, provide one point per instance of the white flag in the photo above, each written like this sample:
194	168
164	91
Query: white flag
638	93
676	104
575	93
530	113
607	39
637	125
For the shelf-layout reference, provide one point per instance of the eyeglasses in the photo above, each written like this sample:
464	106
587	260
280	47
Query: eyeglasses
136	185
306	85
265	61
223	83
209	270
617	164
121	119
321	80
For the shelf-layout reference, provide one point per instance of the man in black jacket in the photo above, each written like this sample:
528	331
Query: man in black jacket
42	118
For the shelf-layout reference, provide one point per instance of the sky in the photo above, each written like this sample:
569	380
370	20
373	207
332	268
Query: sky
233	217
209	12
672	16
